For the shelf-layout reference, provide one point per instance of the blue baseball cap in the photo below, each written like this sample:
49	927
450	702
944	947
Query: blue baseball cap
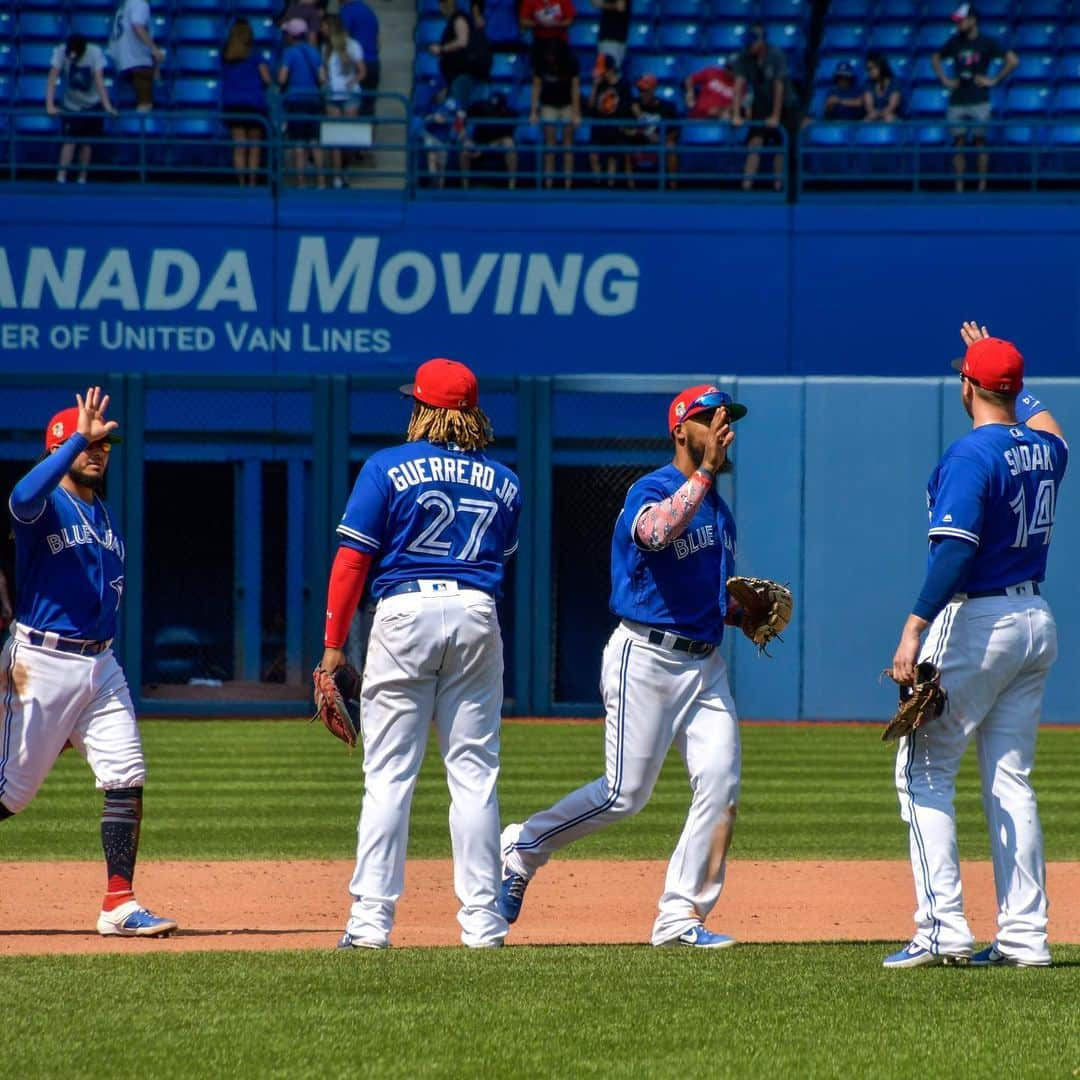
844	68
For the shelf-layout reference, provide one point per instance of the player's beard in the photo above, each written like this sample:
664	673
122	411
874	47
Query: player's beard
95	483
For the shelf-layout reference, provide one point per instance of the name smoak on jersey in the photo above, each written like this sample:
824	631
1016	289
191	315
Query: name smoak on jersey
361	279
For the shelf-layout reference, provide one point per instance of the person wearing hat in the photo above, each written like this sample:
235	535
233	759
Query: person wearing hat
301	77
992	501
844	100
63	685
663	678
971	53
428	530
762	70
655	115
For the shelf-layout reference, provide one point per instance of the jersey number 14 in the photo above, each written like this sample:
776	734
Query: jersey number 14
445	514
1042	514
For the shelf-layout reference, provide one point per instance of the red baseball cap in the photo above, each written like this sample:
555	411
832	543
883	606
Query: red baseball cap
444	384
699	399
63	425
962	12
994	365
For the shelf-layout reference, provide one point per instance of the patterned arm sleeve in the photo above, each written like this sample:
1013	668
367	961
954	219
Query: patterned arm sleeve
658	525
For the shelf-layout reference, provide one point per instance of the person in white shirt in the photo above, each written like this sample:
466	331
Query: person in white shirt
134	52
81	66
345	69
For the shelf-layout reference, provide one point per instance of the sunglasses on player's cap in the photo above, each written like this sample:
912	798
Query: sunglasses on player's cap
699	399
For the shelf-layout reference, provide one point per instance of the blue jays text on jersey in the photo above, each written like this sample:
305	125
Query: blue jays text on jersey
682	587
429	511
69	563
997	488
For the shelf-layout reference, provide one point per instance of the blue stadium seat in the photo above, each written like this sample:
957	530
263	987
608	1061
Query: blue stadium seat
938	11
194	127
41	5
37	124
7	26
855	10
254	8
927	101
30	90
897	11
996	9
680	36
931	37
725	37
1038	35
107	7
264	31
95	26
1064	134
817	102
672	94
1023	100
1067	100
521	99
191	7
646	9
5	88
36	55
932	135
900	64
194	28
43	25
198	60
1067	68
879	135
702	144
427	66
132	125
681	9
584	33
1039	9
509	67
825	134
7	57
922	70
667	67
1070	35
785	10
1018	134
641	36
428	32
734	10
790	36
887	36
999	28
196	94
428	8
844	37
1036	67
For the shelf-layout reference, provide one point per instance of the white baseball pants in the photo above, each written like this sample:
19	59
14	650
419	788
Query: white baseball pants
654	696
48	697
431	659
994	654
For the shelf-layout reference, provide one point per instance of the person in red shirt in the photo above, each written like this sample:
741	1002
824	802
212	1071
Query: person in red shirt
710	93
547	19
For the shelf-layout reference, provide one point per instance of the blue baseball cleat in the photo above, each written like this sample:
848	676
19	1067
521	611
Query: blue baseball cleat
511	895
991	957
698	937
349	942
912	955
131	920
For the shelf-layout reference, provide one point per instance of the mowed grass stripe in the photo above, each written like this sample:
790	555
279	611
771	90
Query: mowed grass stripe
782	1010
252	790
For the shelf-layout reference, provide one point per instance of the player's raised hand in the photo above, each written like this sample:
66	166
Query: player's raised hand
92	423
717	441
971	332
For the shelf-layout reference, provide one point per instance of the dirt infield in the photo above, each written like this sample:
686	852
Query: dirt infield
49	907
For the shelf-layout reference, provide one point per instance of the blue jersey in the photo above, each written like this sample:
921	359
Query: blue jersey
682	587
427	511
997	488
69	568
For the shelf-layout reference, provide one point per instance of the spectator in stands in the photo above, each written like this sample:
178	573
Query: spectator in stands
611	101
244	79
82	67
971	54
343	59
614	29
845	99
489	131
763	70
549	20
882	99
444	128
654	114
362	25
134	51
710	93
556	102
301	78
310	12
453	52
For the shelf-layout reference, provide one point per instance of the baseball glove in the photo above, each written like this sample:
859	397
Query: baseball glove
766	607
918	704
337	701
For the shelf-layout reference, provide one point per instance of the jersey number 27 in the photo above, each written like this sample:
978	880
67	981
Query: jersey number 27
445	514
1042	514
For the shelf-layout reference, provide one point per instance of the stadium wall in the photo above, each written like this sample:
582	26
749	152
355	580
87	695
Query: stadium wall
179	282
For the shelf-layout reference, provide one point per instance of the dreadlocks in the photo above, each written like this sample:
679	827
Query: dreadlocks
467	428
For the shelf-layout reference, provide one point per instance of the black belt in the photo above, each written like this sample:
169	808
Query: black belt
681	644
414	587
999	592
68	645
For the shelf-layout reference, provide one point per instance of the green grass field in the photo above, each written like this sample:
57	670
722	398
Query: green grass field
272	790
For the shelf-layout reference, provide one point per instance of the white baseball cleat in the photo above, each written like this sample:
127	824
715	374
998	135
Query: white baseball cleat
133	920
912	955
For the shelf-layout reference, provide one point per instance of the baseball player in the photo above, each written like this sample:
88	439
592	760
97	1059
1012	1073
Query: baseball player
992	635
663	679
431	523
61	681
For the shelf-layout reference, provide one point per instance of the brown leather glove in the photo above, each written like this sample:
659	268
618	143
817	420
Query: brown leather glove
337	701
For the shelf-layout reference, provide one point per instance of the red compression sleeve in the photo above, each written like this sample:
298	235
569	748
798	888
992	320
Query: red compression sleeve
347	578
